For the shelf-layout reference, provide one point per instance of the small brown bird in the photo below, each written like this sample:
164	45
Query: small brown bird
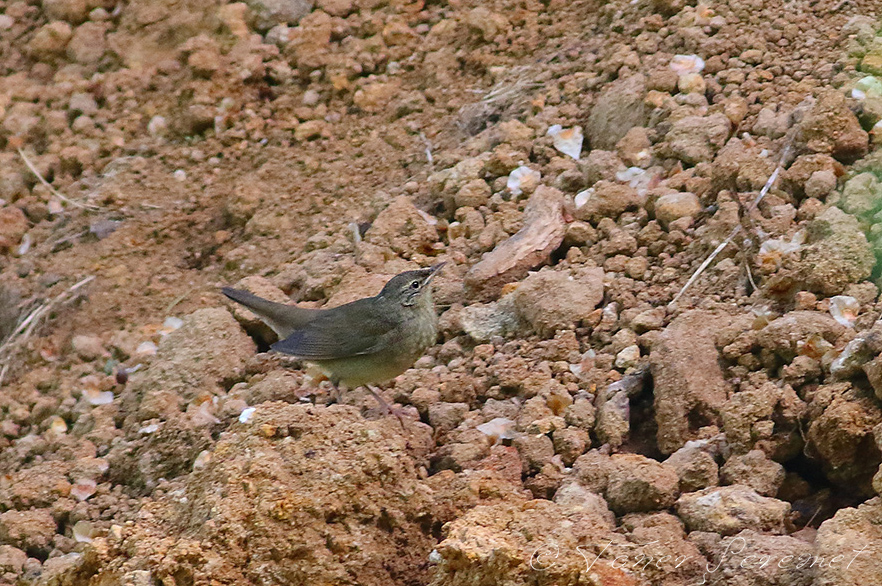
368	341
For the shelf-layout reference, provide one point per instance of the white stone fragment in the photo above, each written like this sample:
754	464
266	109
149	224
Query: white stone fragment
582	197
567	140
523	179
844	309
96	397
202	460
83	488
147	348
684	64
499	428
246	414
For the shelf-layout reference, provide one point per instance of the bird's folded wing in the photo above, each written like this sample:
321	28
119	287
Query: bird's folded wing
346	332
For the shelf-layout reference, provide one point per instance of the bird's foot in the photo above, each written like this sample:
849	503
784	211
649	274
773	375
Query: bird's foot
396	411
336	397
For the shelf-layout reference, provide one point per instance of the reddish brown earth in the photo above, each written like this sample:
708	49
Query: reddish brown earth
568	412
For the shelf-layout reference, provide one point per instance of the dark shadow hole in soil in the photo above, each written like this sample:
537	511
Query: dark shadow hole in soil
559	255
385	522
698	419
642	438
201	258
183	577
199	127
265	91
259	337
430	526
823	499
40	554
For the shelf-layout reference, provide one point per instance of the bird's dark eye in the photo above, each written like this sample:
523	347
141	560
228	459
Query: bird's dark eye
414	284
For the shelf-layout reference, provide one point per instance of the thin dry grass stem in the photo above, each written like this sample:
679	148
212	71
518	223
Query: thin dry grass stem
508	88
785	154
750	276
428	149
70	237
55	192
178	299
21	334
503	95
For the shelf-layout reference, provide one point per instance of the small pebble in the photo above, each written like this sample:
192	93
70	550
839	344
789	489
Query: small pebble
96	397
170	324
104	228
57	424
202	460
523	180
628	357
499	428
83	488
844	309
147	348
158	126
83	532
582	197
685	64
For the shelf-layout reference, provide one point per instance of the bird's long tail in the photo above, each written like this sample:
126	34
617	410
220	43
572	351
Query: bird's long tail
283	319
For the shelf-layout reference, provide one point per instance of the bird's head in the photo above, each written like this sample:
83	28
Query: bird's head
409	287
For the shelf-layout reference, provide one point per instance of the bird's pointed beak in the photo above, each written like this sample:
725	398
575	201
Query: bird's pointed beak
435	270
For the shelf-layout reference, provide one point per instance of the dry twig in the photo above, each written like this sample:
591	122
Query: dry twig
513	86
55	192
785	154
178	299
506	93
28	325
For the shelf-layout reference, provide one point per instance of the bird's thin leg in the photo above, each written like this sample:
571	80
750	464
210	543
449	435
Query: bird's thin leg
385	405
336	393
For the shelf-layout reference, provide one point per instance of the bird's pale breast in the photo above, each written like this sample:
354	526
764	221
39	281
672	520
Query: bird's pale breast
415	337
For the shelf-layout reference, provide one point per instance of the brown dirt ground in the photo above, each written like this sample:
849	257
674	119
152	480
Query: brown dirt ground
264	154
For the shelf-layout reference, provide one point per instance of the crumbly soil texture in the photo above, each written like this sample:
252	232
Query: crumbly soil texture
581	419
